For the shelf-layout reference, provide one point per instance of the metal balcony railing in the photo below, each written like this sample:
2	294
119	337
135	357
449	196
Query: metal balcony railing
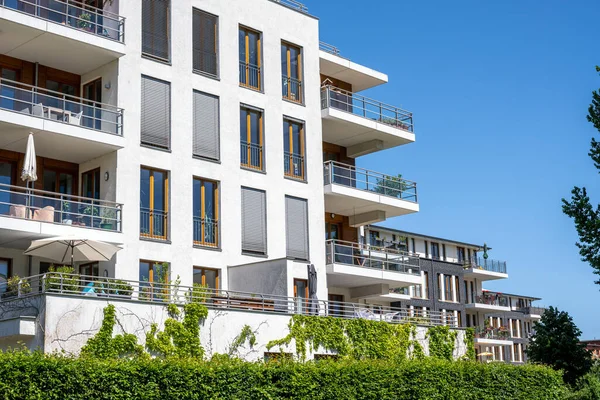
154	224
326	47
60	107
251	155
250	76
291	89
366	256
86	287
59	208
339	99
293	165
492	333
359	178
86	18
293	4
206	232
492	300
532	310
486	264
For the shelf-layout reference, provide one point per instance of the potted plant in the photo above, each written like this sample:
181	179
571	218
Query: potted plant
62	279
66	209
13	289
84	22
108	219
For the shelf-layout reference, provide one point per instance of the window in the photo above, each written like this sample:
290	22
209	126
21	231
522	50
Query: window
90	184
444	251
90	269
435	251
156	113
425	285
207	277
7	176
155	29
154	276
414	247
332	231
460	254
92	111
440	284
291	72
206	126
5	272
206	213
301	295
418	291
254	221
517	352
293	149
251	138
375	239
296	225
426	249
154	204
205	43
448	287
457	288
250	44
515	328
57	181
336	309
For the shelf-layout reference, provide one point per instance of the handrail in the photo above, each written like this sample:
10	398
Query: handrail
204	227
164	293
293	4
343	100
328	48
367	256
492	300
535	310
492	333
111	25
486	264
359	178
24	98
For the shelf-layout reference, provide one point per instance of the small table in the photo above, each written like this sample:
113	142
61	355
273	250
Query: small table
66	114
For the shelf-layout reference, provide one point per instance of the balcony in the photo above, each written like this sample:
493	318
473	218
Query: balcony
250	76
28	214
292	89
206	232
485	269
332	64
366	196
490	336
293	166
532	312
251	156
356	265
74	38
67	127
489	302
154	224
363	125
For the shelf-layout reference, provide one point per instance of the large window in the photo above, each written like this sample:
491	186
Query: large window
90	184
7	173
154	204
435	251
156	29
250	50
156	113
5	272
206	213
293	149
205	43
206	143
251	138
460	254
154	280
254	221
296	225
291	72
425	285
448	288
207	277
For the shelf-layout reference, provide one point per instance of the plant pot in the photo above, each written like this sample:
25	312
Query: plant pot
108	225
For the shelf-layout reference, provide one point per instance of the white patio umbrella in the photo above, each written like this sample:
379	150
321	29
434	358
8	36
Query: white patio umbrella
70	249
29	171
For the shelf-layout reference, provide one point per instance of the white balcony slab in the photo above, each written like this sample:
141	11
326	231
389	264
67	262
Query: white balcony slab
483	274
360	77
486	307
492	342
343	275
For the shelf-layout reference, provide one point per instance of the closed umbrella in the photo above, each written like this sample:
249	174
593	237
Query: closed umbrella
312	290
29	171
69	249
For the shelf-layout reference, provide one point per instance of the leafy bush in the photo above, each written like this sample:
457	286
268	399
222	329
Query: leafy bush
36	376
64	275
12	286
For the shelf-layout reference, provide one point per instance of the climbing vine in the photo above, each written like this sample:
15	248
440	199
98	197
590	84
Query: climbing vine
470	343
104	346
441	342
246	335
358	339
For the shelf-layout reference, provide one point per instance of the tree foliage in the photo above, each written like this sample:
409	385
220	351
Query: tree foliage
390	185
586	217
556	343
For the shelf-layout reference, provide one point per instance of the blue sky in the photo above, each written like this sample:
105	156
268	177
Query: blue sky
499	92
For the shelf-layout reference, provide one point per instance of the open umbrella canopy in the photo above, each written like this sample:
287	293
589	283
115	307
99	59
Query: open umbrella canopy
70	249
29	171
485	354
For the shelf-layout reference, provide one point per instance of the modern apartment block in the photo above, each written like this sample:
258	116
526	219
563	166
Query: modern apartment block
214	142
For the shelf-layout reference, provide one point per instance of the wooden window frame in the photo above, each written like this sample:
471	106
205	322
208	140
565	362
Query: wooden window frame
203	242
248	165
150	234
87	265
458	255
247	31
457	288
290	149
91	171
203	276
306	298
9	261
425	288
290	95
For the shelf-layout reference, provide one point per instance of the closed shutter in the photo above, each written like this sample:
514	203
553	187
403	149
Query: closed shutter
254	221
156	112
205	46
296	227
206	126
155	28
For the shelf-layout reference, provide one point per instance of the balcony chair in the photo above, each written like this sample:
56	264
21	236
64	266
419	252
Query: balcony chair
75	119
45	214
38	110
19	212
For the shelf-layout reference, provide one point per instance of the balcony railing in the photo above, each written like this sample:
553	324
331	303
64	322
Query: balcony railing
293	165
532	310
86	18
154	224
160	293
492	300
370	181
326	47
59	208
206	232
250	76
366	256
251	155
339	99
486	264
291	89
492	333
60	107
293	4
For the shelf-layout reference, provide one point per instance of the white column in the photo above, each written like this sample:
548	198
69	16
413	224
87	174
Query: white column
519	328
510	327
442	288
454	288
512	353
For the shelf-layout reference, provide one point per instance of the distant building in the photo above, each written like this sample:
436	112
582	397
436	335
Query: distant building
593	346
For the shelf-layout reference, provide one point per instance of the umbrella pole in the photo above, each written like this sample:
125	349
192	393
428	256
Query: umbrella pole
72	247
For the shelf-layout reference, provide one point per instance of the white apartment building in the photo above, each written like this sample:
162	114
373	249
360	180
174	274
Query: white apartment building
214	141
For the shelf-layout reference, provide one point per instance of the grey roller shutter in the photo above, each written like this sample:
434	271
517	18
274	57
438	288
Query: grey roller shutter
206	126
296	227
155	28
205	43
156	112
254	221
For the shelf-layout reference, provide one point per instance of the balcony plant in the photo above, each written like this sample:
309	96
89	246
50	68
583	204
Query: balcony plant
62	279
12	287
84	22
109	216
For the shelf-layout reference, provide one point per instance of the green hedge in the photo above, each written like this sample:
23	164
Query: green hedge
35	376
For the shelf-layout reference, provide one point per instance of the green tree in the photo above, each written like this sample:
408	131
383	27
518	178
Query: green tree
556	343
393	186
586	217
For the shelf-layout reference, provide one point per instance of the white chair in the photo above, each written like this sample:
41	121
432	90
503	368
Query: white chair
38	110
75	119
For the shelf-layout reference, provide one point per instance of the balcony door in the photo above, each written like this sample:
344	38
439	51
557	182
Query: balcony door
8	92
92	111
301	295
5	272
154	204
7	173
293	143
